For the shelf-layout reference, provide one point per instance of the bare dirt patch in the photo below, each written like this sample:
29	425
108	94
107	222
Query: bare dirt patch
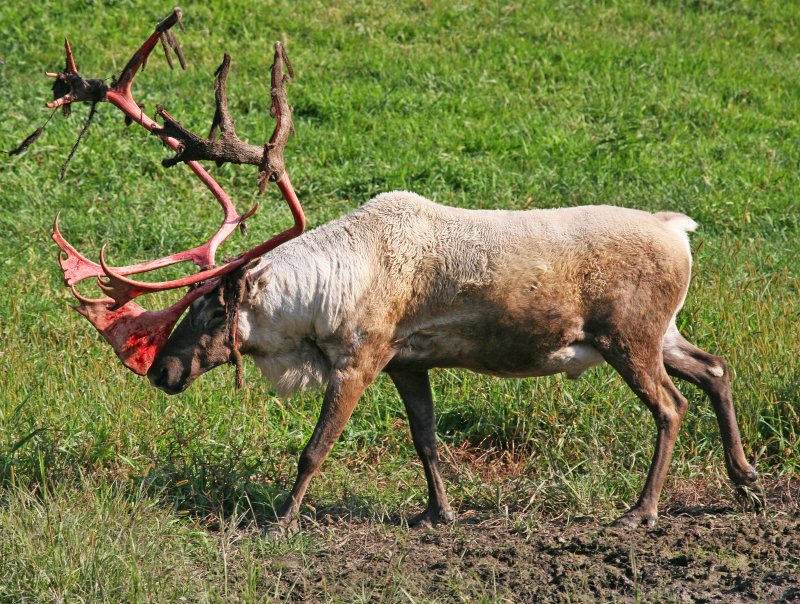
696	554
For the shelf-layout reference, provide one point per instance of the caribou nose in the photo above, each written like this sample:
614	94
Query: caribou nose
158	379
167	377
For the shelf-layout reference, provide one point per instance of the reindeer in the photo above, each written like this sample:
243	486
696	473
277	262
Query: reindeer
403	285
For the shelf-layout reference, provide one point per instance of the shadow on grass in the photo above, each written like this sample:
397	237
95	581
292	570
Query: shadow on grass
211	483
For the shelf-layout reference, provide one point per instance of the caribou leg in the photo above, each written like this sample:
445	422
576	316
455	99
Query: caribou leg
710	373
640	365
415	390
344	389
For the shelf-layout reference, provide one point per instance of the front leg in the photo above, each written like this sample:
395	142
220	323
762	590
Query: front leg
345	387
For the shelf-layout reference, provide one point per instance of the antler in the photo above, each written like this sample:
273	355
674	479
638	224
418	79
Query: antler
137	334
76	267
227	148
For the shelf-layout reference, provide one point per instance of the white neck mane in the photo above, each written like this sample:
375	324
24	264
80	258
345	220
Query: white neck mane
300	295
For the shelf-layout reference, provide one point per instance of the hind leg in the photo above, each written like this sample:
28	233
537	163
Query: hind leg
415	390
641	367
710	373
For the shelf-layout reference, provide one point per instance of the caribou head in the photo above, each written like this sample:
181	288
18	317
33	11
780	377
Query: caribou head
141	338
206	338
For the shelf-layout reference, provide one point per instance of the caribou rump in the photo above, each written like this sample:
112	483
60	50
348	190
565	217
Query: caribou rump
403	285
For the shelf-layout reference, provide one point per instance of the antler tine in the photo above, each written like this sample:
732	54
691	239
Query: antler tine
78	89
70	66
273	166
222	117
71	87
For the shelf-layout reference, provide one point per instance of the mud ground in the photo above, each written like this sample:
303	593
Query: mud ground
695	554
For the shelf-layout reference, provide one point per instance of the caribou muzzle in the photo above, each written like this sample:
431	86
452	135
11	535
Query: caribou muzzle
170	375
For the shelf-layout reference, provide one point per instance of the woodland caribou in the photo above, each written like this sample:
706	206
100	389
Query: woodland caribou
403	285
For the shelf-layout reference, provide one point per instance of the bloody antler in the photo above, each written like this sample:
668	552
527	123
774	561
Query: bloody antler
137	334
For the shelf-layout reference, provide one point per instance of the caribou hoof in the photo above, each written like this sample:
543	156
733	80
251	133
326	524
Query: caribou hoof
746	477
431	517
283	528
634	518
752	498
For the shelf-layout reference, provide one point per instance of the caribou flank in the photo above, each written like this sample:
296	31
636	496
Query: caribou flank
403	285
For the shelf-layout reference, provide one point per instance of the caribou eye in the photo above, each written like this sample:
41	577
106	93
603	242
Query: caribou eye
218	314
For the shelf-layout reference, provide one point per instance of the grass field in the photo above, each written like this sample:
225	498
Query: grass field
112	491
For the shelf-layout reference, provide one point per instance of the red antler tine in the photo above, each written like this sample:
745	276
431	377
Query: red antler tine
75	266
70	63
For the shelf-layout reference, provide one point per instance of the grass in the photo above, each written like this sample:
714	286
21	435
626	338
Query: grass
684	106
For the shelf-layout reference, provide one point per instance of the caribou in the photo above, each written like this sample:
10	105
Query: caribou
403	285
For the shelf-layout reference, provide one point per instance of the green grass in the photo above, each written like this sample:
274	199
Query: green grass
684	106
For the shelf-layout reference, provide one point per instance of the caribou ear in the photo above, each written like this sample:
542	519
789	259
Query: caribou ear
257	279
248	287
